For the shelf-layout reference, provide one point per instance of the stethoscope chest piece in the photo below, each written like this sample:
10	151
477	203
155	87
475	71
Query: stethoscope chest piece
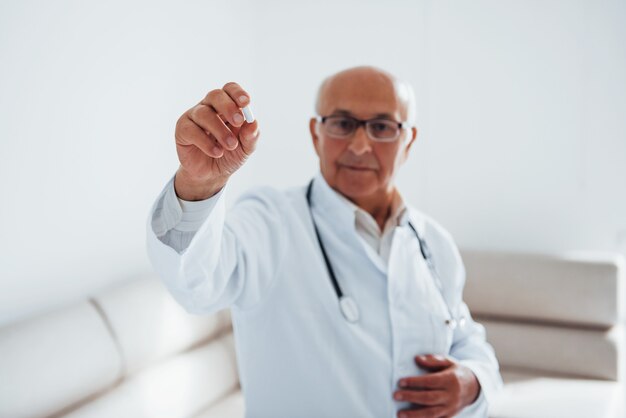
349	309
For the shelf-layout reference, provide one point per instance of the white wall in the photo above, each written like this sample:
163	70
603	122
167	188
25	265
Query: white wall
527	124
522	111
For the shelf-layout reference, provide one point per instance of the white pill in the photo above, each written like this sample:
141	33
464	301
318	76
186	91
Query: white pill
247	114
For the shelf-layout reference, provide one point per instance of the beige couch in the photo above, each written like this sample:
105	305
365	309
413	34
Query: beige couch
556	324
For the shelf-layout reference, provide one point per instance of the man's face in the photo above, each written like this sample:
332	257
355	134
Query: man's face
358	167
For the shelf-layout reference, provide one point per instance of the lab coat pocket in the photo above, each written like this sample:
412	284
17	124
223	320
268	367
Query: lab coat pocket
414	338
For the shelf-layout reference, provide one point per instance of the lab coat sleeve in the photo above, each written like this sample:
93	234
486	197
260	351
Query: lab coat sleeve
469	345
471	349
229	261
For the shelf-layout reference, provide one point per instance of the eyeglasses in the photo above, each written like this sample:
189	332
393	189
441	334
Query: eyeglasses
379	130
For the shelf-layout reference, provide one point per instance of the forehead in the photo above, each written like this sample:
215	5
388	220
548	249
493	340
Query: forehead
364	95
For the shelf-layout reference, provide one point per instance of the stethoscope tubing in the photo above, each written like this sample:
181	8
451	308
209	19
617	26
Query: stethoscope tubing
347	305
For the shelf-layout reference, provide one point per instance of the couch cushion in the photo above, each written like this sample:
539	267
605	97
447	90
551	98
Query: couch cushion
531	395
178	387
232	406
50	362
150	325
582	352
583	290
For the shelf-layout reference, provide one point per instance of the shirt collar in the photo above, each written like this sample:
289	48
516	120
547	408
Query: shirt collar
366	221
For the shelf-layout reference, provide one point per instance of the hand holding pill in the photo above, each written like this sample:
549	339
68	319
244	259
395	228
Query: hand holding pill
213	140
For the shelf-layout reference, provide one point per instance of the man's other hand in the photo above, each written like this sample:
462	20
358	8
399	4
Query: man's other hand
444	392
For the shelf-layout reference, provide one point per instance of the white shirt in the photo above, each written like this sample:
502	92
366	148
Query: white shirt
297	355
368	229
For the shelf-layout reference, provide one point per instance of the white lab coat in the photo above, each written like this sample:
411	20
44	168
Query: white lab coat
297	355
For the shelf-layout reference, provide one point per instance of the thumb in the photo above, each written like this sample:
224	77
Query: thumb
433	362
248	135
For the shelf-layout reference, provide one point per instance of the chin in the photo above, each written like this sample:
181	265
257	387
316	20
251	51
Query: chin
362	184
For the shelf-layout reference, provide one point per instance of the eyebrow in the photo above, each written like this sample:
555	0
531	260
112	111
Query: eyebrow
376	116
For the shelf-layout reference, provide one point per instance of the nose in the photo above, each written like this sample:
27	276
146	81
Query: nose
360	142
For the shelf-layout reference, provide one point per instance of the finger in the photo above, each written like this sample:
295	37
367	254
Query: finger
217	148
433	362
438	380
248	136
224	105
422	397
428	412
237	93
190	134
207	119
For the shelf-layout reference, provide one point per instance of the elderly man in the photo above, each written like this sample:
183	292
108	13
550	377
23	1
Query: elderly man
346	302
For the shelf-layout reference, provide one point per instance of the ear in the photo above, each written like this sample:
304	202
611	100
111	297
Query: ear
313	128
409	142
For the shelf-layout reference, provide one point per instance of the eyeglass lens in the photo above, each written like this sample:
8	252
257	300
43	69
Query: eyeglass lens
378	129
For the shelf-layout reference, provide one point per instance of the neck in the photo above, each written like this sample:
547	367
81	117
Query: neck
378	205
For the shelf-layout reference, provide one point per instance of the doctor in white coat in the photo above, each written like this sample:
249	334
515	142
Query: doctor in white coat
346	301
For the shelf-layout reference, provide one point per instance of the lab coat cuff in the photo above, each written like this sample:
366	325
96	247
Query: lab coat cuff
490	381
174	267
479	408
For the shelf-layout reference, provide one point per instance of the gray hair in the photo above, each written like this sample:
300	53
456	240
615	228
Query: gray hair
407	94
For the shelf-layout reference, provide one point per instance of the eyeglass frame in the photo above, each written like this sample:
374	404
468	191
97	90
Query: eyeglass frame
363	122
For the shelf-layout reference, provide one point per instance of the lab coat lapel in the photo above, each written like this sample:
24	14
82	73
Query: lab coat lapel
419	222
327	205
374	257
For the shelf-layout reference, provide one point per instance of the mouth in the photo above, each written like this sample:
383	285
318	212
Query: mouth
358	168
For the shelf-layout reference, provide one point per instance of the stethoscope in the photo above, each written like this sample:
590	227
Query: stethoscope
348	306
